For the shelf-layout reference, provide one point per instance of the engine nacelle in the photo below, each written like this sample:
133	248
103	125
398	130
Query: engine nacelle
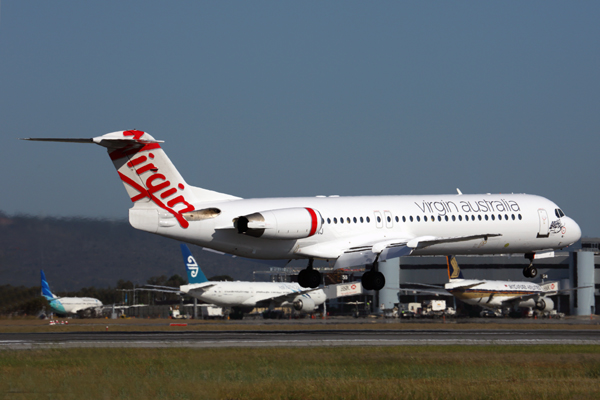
545	304
304	304
285	223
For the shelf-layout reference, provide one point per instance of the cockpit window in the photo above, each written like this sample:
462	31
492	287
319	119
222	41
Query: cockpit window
559	213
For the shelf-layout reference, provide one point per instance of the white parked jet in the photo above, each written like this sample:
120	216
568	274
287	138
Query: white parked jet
82	306
352	231
244	296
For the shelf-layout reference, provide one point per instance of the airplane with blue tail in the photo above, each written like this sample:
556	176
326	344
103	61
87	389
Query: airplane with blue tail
84	307
244	296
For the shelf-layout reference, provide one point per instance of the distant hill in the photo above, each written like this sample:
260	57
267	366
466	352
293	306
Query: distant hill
78	252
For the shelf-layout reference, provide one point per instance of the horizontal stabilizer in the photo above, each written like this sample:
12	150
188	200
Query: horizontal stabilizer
63	140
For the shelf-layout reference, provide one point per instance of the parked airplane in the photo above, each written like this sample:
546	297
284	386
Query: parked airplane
498	295
244	296
82	306
352	231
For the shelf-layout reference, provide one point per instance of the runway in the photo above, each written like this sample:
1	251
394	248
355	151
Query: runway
298	338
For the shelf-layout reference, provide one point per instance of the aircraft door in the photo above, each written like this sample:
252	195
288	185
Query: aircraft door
388	219
378	219
544	226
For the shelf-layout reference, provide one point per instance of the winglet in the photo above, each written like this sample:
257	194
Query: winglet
194	273
454	271
46	288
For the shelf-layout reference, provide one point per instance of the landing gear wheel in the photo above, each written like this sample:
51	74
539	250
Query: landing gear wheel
373	280
378	280
367	280
313	278
309	277
530	272
302	278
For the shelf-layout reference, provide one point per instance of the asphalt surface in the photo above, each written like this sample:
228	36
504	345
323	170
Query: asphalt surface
300	338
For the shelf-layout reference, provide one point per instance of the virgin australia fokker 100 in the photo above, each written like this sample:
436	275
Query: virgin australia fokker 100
352	231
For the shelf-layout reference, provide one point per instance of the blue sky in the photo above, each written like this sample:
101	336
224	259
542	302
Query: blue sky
282	98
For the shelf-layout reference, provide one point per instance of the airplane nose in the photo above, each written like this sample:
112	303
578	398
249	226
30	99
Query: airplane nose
573	230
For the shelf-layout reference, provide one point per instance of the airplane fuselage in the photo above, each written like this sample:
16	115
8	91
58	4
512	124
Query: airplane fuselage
252	294
523	223
498	294
72	305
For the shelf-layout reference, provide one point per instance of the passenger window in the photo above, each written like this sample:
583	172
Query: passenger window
368	219
425	218
486	217
378	219
453	218
439	218
411	218
479	216
460	217
389	219
328	221
520	217
493	217
432	218
361	220
403	218
341	220
397	219
418	219
335	220
513	217
446	217
473	218
506	217
348	220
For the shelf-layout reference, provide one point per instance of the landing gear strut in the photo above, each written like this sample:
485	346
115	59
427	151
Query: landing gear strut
530	271
373	279
309	277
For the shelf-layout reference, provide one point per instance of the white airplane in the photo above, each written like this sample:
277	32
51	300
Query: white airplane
499	295
244	296
352	231
82	306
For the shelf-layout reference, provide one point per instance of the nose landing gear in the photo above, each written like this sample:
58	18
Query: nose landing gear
309	277
530	271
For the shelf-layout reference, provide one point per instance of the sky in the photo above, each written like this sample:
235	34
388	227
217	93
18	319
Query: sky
286	98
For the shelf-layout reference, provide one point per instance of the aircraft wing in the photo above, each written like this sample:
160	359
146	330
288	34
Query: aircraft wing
200	289
288	297
159	290
554	292
433	291
366	250
465	287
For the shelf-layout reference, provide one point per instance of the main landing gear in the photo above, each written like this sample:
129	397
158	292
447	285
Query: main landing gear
373	279
309	277
530	271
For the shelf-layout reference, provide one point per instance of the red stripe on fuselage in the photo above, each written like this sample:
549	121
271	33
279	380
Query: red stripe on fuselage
314	223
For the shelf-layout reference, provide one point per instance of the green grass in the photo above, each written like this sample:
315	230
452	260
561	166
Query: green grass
412	372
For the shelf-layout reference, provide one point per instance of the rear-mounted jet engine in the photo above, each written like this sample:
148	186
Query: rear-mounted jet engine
285	223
